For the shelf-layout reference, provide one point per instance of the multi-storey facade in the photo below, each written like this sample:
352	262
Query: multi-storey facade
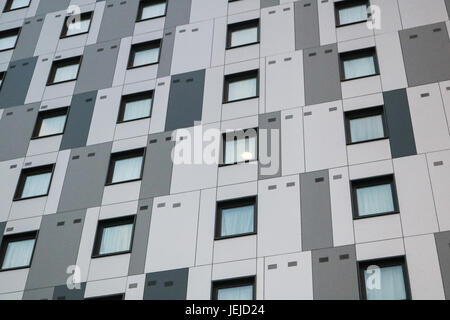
198	149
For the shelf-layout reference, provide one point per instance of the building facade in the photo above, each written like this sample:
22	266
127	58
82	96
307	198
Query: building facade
215	149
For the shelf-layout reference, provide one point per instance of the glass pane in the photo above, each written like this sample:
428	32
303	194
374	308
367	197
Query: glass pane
8	42
246	149
237	221
54	125
375	199
236	293
353	14
127	169
390	286
66	73
369	128
18	254
359	67
116	239
230	154
137	109
76	28
242	89
36	185
144	57
154	10
244	36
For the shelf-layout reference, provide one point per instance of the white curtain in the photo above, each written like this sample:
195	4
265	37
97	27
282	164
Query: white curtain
54	125
353	14
127	169
154	10
244	36
146	57
242	89
18	254
369	128
359	67
375	199
240	150
8	42
137	109
116	239
36	185
20	4
392	284
76	28
236	293
237	221
66	73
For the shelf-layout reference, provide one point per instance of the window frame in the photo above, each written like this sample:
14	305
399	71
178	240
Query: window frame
131	98
49	168
242	26
365	113
240	76
224	147
49	114
83	16
121	156
2	78
60	64
232	283
356	54
7	239
108	223
142	46
10	32
109	297
9	4
141	9
370	182
348	4
235	203
383	262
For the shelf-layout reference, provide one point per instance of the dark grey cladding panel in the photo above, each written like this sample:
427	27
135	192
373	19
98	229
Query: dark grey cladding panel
17	81
46	6
185	100
447	2
178	13
38	294
166	285
426	53
165	60
398	117
2	230
29	36
306	24
443	250
335	274
64	293
118	20
270	147
269	3
56	249
16	128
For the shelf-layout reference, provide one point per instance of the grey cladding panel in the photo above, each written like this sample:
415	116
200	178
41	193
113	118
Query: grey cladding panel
447	3
443	250
119	19
270	136
64	293
269	3
306	24
165	61
38	294
46	6
178	13
29	36
166	285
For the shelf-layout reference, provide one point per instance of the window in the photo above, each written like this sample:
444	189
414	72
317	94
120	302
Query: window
16	4
114	236
236	218
64	70
385	279
2	77
144	54
50	123
72	27
136	106
359	64
351	12
374	196
16	251
125	166
34	182
241	86
8	39
150	9
365	125
240	146
235	289
119	296
242	34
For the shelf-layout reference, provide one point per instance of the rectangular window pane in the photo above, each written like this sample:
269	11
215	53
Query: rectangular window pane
51	126
375	200
127	169
66	73
116	239
244	36
237	221
391	285
353	14
137	110
154	10
8	42
359	67
18	254
19	4
236	293
364	129
145	57
76	28
36	185
240	150
242	89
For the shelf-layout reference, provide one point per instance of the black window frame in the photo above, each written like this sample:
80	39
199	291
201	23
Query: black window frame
121	156
232	283
356	54
110	297
42	115
2	78
108	223
83	16
242	26
132	98
143	46
370	182
7	239
60	64
142	5
235	203
383	262
8	33
365	113
9	4
348	4
240	76
49	168
236	135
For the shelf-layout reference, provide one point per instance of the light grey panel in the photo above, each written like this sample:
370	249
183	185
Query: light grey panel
38	294
119	19
443	250
321	69
306	24
270	126
29	36
64	293
269	3
178	13
315	202
166	285
46	6
56	249
165	60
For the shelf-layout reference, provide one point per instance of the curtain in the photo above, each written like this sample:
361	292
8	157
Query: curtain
236	293
369	128
240	150
359	67
127	169
66	73
137	109
75	28
353	14
392	284
36	185
241	37
154	10
242	89
20	4
116	239
18	254
375	199
144	57
8	42
237	221
54	125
